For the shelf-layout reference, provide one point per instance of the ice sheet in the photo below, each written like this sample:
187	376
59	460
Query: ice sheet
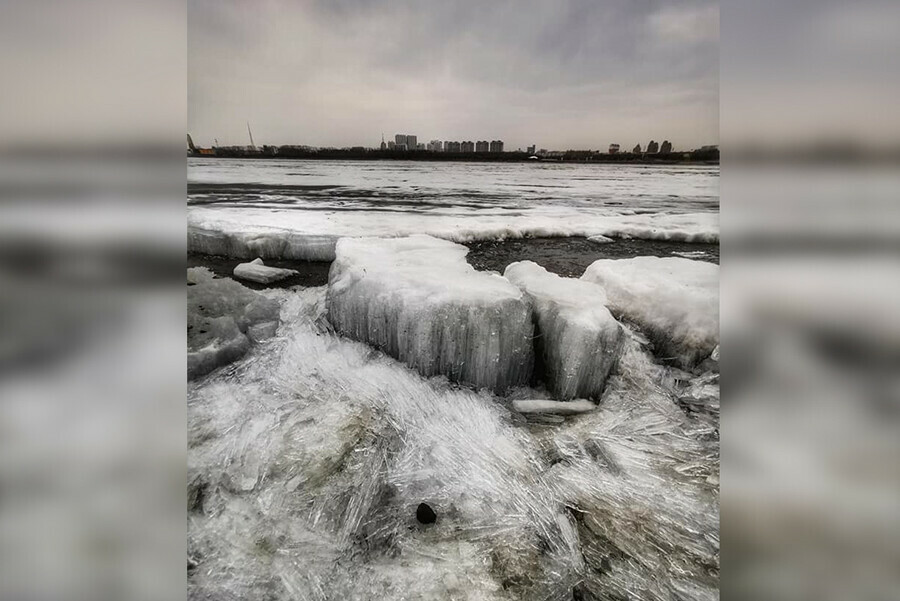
675	301
577	338
418	299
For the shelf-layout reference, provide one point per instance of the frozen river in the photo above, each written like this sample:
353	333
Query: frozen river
296	209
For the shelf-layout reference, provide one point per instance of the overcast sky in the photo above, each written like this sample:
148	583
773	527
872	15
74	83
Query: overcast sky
557	73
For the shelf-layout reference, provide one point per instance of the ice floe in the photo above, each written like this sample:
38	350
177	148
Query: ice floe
417	299
257	271
576	337
674	301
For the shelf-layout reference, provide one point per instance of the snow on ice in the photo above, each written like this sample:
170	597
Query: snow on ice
674	301
418	300
576	336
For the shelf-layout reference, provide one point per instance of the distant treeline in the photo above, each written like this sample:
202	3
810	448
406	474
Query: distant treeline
707	155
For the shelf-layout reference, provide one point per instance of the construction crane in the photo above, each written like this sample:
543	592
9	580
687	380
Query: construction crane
252	145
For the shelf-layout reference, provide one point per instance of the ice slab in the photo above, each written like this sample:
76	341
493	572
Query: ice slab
675	302
418	300
220	313
600	239
554	407
577	337
257	271
249	232
244	241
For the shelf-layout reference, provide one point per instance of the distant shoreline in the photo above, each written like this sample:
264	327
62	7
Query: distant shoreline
674	158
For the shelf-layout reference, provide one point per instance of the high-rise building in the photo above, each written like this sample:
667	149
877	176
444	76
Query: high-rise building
636	149
392	145
383	145
531	149
613	149
400	139
451	147
653	147
666	147
496	145
411	142
434	146
420	146
467	146
481	146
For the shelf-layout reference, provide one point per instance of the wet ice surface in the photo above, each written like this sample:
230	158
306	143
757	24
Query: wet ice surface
298	209
309	458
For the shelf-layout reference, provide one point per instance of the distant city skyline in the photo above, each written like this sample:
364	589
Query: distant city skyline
573	74
410	142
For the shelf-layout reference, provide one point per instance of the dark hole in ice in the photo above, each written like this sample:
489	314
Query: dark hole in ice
425	514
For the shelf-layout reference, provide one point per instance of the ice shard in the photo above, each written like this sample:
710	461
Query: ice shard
577	339
418	300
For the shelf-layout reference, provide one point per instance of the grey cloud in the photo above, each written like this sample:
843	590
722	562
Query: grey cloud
578	73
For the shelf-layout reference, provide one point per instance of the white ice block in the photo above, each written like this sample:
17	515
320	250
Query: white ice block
417	299
675	301
257	271
576	336
554	407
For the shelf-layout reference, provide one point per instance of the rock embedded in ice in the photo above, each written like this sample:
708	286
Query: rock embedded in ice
220	314
554	407
576	336
256	271
425	514
675	302
418	300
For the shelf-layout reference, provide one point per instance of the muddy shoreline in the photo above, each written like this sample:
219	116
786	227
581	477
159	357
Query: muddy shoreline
568	257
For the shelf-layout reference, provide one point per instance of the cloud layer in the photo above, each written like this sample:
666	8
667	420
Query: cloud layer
562	74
